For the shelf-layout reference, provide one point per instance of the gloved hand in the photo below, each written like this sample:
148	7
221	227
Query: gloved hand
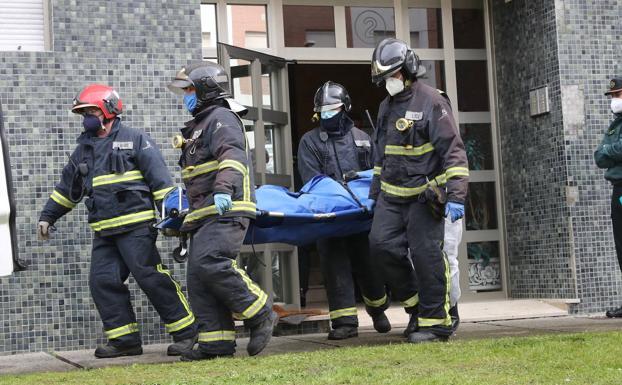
222	202
43	230
454	210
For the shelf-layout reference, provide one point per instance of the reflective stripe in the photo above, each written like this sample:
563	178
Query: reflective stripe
123	220
245	175
346	312
262	297
192	171
211	210
412	301
187	320
408	150
377	170
218	335
117	178
402	191
376	303
62	200
428	322
121	331
161	193
456	171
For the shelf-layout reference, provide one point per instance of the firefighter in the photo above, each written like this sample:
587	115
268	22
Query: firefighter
338	149
420	176
216	171
122	173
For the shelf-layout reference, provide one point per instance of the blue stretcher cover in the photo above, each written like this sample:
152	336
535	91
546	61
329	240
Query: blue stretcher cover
323	208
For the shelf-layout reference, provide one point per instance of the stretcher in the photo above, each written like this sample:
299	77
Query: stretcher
322	208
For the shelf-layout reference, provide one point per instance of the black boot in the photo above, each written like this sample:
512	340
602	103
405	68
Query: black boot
425	336
413	325
180	347
111	351
615	313
198	355
261	334
381	323
455	317
343	332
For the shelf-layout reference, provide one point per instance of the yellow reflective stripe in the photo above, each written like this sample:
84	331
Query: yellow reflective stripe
189	319
192	171
121	331
346	312
375	303
408	150
262	297
428	322
456	171
401	191
117	178
412	301
218	335
123	220
62	200
161	193
211	210
377	170
243	170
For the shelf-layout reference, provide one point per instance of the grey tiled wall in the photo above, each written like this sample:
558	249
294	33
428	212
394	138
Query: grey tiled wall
557	202
135	46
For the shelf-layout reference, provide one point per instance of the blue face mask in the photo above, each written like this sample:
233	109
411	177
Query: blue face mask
91	124
328	114
190	100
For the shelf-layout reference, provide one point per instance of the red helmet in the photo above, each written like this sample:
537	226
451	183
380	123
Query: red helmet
98	95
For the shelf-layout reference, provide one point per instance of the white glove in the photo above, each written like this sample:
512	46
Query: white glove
43	230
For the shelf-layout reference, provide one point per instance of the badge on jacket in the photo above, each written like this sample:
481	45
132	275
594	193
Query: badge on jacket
123	145
414	115
403	124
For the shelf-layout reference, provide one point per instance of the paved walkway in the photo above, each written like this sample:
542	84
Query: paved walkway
480	320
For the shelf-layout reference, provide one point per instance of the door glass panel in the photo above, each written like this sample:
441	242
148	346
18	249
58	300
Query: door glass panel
208	25
425	28
366	27
477	140
484	266
468	28
481	206
434	73
309	26
472	82
248	27
271	147
266	90
242	85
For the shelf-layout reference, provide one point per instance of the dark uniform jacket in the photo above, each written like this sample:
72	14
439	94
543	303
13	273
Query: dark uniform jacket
215	159
334	153
609	153
122	175
429	149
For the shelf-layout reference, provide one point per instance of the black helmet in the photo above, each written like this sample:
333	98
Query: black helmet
210	81
330	96
392	55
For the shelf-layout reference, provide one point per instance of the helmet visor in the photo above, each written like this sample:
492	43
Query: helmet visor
180	82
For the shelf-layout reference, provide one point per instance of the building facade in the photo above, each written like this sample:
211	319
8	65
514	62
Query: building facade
525	79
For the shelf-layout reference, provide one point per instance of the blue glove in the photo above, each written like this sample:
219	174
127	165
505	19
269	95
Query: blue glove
454	210
222	202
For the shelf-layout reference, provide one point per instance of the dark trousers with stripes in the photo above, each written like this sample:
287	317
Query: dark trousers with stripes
114	257
340	259
218	289
421	281
616	221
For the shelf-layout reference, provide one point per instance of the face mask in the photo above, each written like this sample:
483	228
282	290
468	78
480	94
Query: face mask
190	100
91	124
616	105
328	114
394	86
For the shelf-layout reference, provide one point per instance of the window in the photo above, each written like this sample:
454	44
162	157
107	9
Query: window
208	26
425	28
309	26
366	27
248	27
24	25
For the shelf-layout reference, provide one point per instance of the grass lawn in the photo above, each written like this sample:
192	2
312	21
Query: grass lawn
586	358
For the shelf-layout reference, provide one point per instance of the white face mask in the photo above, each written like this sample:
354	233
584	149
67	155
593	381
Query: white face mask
394	86
616	105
